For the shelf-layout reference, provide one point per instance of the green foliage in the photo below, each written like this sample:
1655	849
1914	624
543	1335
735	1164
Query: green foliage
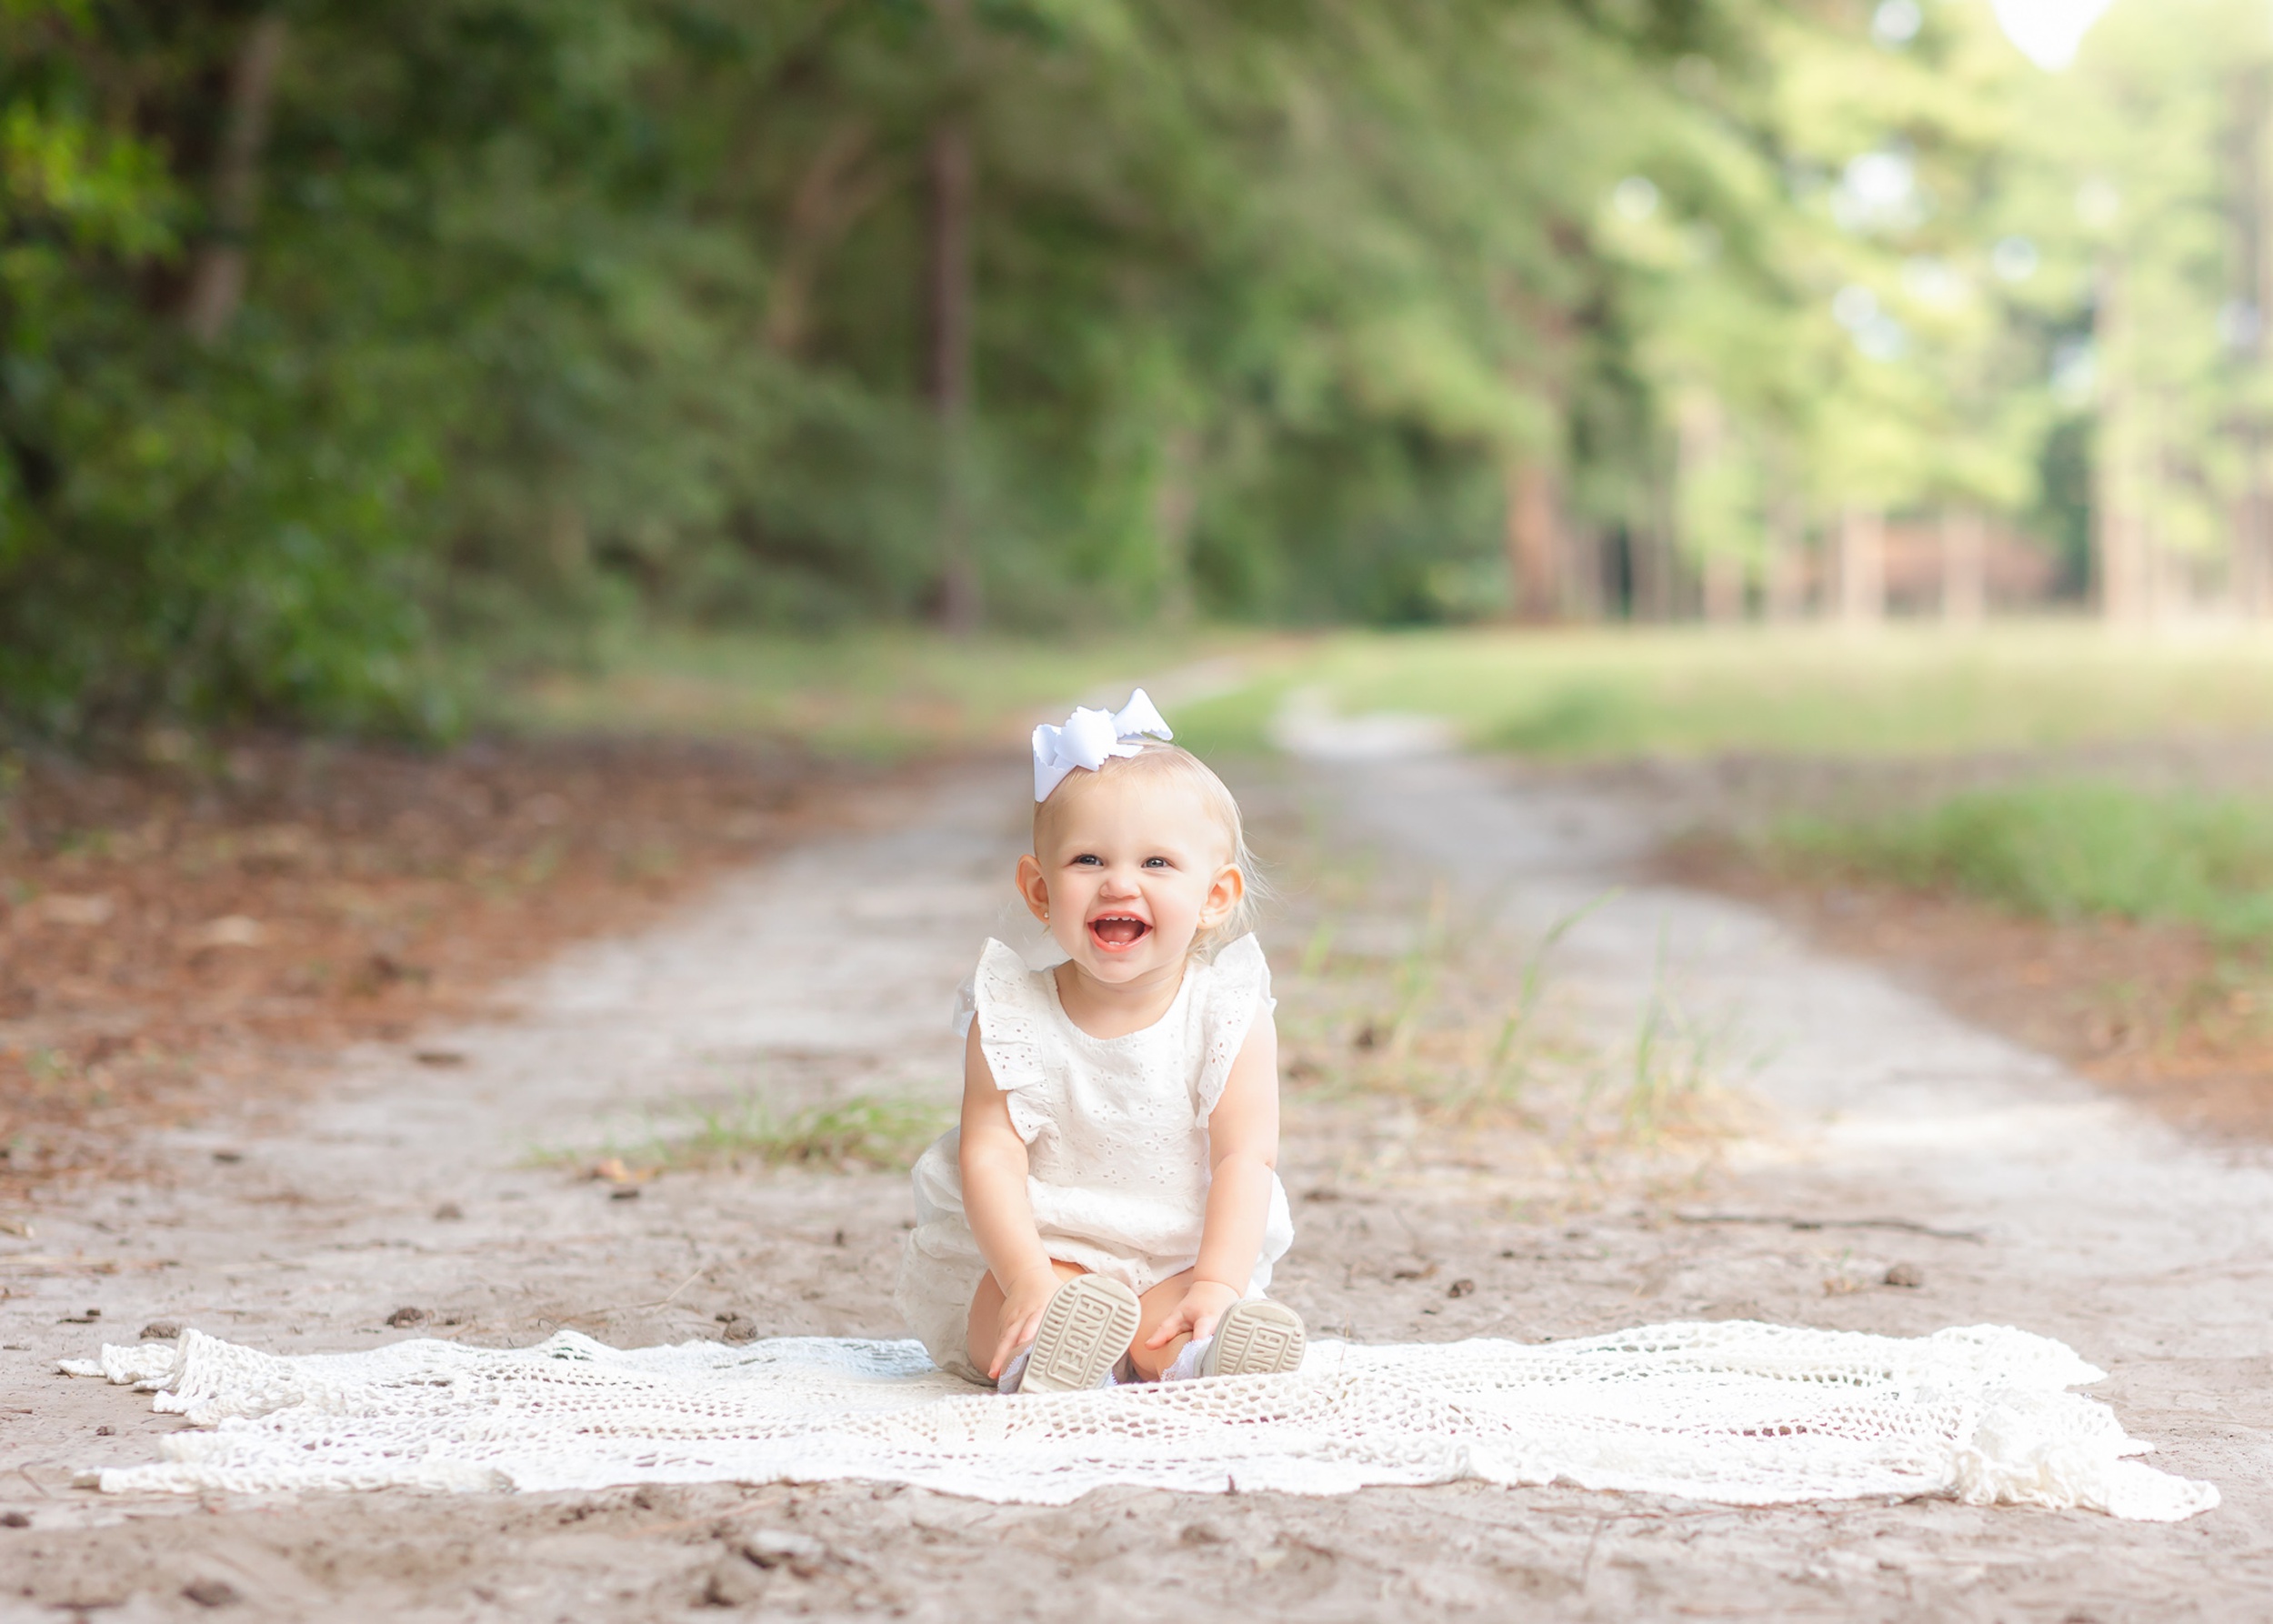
2149	184
2064	851
557	315
553	318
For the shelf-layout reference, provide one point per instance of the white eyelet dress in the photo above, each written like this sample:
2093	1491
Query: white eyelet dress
1116	1132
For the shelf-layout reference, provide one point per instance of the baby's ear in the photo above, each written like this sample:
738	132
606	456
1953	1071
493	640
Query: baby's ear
1033	887
1223	896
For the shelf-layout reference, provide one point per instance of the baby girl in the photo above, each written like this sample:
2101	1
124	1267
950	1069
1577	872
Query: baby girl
1108	1210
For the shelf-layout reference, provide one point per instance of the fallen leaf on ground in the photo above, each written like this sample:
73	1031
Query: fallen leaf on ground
614	1171
231	930
60	909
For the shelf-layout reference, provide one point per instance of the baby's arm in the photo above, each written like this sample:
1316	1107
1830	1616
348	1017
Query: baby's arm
1243	1150
993	1165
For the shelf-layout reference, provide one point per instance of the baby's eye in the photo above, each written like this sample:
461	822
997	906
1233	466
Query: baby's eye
1088	858
1156	862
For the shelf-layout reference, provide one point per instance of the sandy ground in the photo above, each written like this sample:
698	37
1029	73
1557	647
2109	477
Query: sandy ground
406	1185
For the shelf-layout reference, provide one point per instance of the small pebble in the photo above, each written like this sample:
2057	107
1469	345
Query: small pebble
1905	1274
801	1554
408	1316
210	1592
449	1212
107	1432
228	1155
629	1192
739	1330
1460	1288
15	1519
733	1583
160	1330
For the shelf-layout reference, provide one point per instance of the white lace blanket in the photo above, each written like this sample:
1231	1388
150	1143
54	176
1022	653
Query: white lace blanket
1735	1412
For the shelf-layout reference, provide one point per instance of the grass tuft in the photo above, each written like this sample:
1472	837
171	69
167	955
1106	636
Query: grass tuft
2067	851
865	1130
1462	1023
862	1131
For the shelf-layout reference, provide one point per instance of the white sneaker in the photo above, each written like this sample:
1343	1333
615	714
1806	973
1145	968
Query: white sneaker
1255	1338
1084	1332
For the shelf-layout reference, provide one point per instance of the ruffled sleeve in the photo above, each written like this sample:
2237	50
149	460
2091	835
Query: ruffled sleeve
1239	984
1014	1019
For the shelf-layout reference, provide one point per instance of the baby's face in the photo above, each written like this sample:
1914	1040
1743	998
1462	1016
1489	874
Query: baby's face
1128	872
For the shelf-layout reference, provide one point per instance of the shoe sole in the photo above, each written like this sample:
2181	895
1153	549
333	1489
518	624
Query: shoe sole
1083	1332
1256	1338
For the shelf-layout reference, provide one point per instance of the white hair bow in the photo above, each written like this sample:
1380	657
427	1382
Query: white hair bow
1090	736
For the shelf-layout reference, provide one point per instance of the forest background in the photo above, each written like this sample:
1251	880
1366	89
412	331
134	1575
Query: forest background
345	348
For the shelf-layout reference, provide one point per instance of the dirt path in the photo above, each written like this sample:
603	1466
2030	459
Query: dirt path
828	971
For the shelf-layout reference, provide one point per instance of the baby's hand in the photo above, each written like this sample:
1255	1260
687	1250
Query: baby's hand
1204	1303
1022	1306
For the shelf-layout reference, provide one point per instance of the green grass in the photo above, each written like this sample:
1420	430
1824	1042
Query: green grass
1815	690
893	693
865	1131
2071	850
883	694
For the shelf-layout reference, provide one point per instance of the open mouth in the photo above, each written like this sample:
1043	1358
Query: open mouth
1115	932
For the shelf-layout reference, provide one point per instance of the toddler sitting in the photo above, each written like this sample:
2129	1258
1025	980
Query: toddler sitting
1109	1210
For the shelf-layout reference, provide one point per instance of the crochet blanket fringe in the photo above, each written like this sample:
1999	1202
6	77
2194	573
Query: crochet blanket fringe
1735	1412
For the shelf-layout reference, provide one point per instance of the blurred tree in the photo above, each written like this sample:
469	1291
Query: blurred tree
330	334
2153	206
1808	250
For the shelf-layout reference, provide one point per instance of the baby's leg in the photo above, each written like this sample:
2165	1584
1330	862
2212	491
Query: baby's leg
1155	1306
984	1328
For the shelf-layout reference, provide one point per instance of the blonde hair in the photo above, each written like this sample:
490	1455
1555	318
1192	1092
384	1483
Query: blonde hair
1172	761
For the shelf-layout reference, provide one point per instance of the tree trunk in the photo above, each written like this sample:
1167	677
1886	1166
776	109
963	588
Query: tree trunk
2249	551
1964	566
1533	540
832	194
1175	500
568	542
1785	588
1862	566
1724	588
1586	569
1700	448
2118	528
949	172
1656	575
1531	478
2251	561
217	285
